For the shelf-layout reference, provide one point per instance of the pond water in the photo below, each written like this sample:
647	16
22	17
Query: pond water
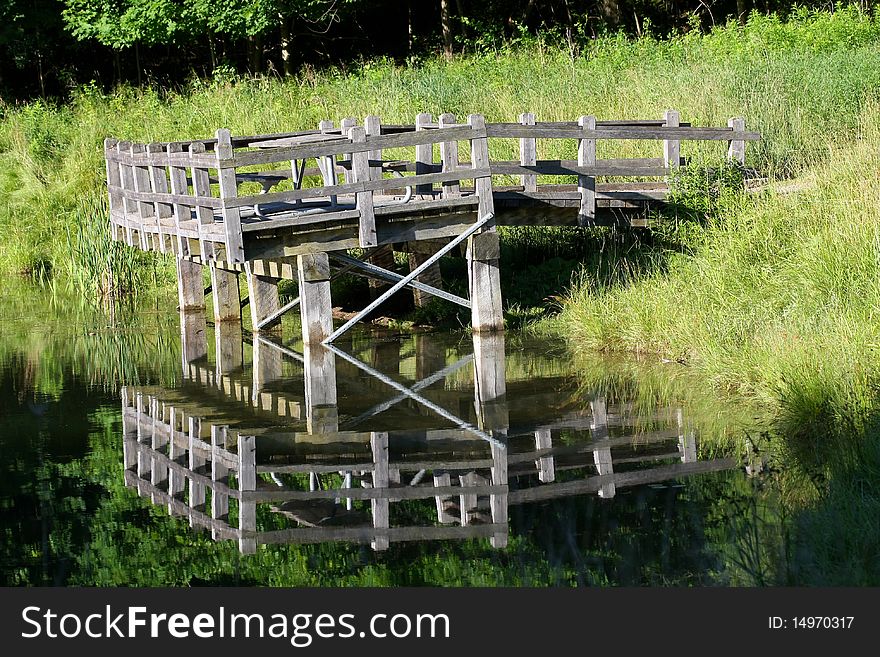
142	447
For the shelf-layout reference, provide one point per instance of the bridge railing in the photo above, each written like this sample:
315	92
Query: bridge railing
199	198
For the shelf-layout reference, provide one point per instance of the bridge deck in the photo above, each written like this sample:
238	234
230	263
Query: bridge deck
272	204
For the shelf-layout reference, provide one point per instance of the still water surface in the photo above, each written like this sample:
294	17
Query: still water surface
144	448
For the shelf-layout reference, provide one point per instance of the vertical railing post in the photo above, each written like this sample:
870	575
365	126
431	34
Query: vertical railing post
586	182
201	184
424	155
498	501
196	462
360	172
179	186
159	185
736	149
449	159
114	185
327	163
229	190
671	147
380	505
546	465
602	454
528	154
373	128
126	180
219	475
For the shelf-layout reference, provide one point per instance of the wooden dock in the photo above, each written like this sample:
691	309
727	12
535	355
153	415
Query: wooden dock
329	462
290	206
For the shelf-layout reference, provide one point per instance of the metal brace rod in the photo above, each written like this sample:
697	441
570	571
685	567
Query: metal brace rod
442	412
403	282
421	385
274	317
284	350
380	272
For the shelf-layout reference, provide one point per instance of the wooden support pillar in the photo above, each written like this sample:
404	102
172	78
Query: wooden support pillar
193	338
262	299
483	248
190	288
430	355
498	501
247	482
431	276
380	506
228	347
266	369
316	308
602	454
319	369
225	295
490	385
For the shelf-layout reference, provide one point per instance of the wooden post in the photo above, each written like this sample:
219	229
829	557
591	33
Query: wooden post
430	276
219	475
319	365
449	159
114	185
129	432
225	294
736	149
228	347
587	184
190	289
316	308
424	155
229	190
145	211
201	187
196	462
159	185
546	465
247	482
179	186
373	128
528	154
671	147
602	455
193	338
490	384
498	501
345	126
327	164
360	172
126	180
266	368
176	480
262	298
484	249
380	506
687	443
445	503
158	469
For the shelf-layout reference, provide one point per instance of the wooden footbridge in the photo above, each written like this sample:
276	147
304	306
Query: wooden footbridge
329	461
290	206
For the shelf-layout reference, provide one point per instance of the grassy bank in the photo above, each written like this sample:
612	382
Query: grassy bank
802	83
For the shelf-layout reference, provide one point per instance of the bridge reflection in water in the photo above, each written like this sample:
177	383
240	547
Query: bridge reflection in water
252	453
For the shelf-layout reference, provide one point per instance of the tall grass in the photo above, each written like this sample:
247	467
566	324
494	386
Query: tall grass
802	83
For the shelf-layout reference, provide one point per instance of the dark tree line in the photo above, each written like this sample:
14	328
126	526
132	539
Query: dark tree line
49	46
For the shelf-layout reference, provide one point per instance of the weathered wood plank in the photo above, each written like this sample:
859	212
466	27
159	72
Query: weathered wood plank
587	183
316	308
229	190
528	153
736	149
672	147
424	154
361	172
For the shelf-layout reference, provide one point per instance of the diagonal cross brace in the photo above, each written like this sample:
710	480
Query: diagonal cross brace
439	410
421	385
406	280
394	277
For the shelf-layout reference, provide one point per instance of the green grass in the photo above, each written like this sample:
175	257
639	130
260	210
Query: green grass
801	83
